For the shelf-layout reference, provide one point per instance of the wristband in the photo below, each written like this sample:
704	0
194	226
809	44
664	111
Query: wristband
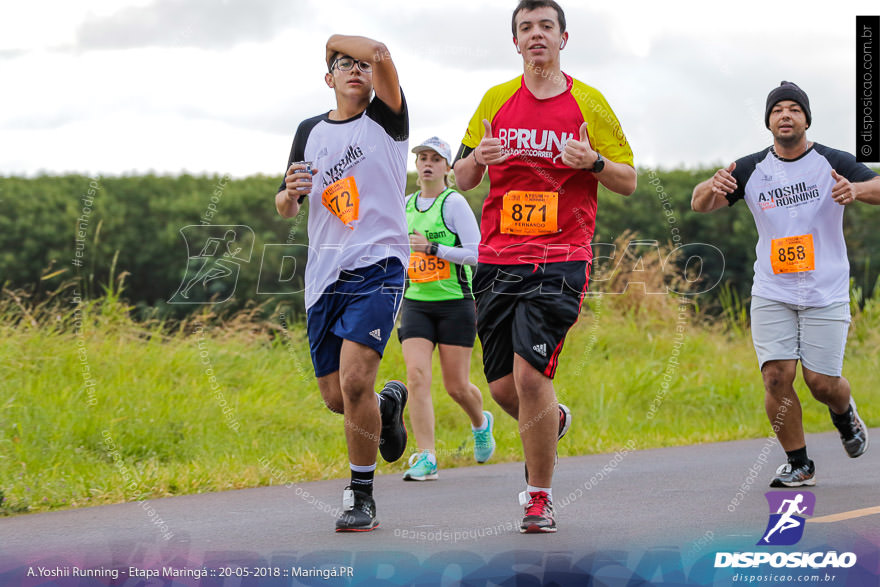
477	161
433	247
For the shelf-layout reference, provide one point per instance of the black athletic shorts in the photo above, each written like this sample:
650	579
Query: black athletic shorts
446	322
527	310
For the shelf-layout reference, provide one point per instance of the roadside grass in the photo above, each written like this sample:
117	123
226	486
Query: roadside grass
636	368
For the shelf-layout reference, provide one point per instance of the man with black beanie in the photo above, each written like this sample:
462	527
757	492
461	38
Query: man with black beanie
796	191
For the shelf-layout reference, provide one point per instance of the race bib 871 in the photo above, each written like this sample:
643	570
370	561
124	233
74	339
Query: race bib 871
529	212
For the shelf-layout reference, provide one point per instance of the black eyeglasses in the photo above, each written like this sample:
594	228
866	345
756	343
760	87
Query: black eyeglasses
346	63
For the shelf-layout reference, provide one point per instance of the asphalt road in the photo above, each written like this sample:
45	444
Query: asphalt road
656	515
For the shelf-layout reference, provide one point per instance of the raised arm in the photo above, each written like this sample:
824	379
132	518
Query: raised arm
386	84
711	194
297	185
846	192
620	178
472	163
459	217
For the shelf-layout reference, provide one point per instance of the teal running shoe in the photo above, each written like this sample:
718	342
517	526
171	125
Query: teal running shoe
484	442
421	468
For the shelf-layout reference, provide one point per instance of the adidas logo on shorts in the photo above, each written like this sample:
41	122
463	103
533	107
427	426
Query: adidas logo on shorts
377	334
541	349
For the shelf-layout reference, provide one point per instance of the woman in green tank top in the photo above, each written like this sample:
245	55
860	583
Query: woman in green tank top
438	307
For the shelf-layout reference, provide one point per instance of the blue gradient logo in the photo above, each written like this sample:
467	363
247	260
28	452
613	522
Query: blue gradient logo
787	510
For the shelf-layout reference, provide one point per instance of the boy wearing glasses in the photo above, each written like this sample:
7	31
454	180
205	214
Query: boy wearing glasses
351	163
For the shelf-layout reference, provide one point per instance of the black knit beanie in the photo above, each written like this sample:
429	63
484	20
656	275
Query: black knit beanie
787	91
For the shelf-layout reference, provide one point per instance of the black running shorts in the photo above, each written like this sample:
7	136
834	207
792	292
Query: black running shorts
447	322
527	310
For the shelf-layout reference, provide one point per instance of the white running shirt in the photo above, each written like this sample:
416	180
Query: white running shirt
791	203
371	148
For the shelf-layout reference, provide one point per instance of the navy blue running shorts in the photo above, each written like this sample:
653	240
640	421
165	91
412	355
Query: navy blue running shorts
361	306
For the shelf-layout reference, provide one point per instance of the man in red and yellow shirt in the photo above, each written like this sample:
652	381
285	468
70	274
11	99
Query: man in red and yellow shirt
547	141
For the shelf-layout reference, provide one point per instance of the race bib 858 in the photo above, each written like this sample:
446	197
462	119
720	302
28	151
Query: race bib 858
793	254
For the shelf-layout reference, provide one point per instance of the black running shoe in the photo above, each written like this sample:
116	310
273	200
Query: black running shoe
539	513
359	513
787	476
392	441
564	425
853	432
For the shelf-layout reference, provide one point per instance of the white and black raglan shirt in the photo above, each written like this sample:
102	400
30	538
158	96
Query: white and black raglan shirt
370	148
791	203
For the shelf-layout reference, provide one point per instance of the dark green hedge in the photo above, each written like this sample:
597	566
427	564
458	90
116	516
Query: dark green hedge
139	218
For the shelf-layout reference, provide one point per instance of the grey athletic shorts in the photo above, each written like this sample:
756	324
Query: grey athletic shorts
816	336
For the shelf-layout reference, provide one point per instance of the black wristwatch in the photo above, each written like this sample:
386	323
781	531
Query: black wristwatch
432	249
598	164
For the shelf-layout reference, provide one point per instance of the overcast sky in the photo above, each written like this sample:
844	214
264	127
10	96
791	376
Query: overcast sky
219	86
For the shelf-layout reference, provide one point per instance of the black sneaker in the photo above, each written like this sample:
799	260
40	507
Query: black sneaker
539	513
853	432
392	441
359	513
564	425
787	476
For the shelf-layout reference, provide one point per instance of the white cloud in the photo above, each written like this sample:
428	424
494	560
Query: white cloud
186	23
219	87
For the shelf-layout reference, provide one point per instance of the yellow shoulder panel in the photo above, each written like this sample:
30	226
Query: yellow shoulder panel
606	135
489	106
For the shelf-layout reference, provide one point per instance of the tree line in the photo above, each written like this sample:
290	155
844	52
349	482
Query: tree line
170	233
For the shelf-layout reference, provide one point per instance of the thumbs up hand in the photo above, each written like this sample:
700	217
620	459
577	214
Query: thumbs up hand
843	192
579	154
723	182
490	151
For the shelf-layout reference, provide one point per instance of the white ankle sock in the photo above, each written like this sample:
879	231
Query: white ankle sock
482	426
547	490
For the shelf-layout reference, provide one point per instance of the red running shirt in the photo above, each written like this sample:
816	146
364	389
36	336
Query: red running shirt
534	132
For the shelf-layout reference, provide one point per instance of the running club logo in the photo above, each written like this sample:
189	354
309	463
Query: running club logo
352	156
214	258
786	524
530	142
788	196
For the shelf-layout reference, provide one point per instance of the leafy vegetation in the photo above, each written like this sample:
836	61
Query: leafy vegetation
98	408
109	395
138	220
